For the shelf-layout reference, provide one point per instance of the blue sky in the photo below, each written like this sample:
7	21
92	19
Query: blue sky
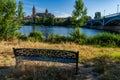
64	8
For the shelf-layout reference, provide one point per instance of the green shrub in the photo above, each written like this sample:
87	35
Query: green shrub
75	34
23	37
105	40
56	38
52	38
36	36
78	37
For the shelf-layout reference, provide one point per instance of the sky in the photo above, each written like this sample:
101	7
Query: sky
64	8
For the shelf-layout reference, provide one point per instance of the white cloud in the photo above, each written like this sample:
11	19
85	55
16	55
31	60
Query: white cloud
61	14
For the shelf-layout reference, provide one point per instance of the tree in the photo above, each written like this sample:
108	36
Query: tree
88	17
50	21
9	19
20	11
68	22
79	13
97	15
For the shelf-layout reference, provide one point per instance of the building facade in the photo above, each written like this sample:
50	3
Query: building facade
40	15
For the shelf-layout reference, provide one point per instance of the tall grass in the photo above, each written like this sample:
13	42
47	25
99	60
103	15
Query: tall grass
106	60
105	40
86	52
102	57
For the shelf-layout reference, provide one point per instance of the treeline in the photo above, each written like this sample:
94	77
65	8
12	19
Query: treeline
102	40
77	19
50	21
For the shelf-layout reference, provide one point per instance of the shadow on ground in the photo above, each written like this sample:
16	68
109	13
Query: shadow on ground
99	68
35	71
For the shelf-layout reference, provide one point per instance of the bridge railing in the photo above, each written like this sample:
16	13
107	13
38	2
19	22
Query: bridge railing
112	15
107	16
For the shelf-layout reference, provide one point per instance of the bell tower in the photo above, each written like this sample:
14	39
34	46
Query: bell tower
33	13
46	12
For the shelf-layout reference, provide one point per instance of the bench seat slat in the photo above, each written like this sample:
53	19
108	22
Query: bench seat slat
63	60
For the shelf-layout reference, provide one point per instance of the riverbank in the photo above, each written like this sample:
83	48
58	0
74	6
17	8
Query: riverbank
103	60
115	29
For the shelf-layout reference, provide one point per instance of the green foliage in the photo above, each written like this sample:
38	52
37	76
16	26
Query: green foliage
20	11
75	34
50	21
23	37
79	13
78	37
68	22
115	56
36	36
105	40
57	39
9	21
47	21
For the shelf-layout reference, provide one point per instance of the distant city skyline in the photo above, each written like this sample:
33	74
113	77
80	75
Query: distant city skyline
64	8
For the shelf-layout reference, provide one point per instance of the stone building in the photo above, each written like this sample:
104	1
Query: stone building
46	13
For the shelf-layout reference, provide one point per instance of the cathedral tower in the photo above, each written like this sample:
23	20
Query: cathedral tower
34	13
46	12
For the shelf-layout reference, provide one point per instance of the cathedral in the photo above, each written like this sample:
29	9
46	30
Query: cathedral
46	13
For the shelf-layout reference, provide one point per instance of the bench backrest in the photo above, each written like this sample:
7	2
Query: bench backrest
46	55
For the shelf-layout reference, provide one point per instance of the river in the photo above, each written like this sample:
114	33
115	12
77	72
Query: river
60	30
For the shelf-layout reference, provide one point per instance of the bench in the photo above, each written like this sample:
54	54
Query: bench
63	56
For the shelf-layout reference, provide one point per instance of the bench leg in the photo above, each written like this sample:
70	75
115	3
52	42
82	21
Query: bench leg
17	61
76	69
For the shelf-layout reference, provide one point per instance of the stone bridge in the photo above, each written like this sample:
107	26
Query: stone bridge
109	20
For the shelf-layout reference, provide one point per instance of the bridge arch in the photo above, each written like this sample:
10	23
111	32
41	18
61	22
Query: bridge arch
100	22
117	18
89	23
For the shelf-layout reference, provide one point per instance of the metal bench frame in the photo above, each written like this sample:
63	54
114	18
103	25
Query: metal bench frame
35	54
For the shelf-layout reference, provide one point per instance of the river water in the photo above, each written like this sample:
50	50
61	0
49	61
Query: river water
60	30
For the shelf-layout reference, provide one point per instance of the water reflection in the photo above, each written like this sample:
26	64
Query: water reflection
60	30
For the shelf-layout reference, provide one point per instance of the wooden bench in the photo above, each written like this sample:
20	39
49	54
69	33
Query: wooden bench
63	56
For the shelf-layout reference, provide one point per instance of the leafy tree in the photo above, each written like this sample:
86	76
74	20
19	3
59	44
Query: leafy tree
49	21
79	13
9	19
68	22
78	37
44	19
20	11
97	15
52	21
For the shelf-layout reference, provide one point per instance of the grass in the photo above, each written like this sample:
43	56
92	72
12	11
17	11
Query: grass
106	59
86	52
